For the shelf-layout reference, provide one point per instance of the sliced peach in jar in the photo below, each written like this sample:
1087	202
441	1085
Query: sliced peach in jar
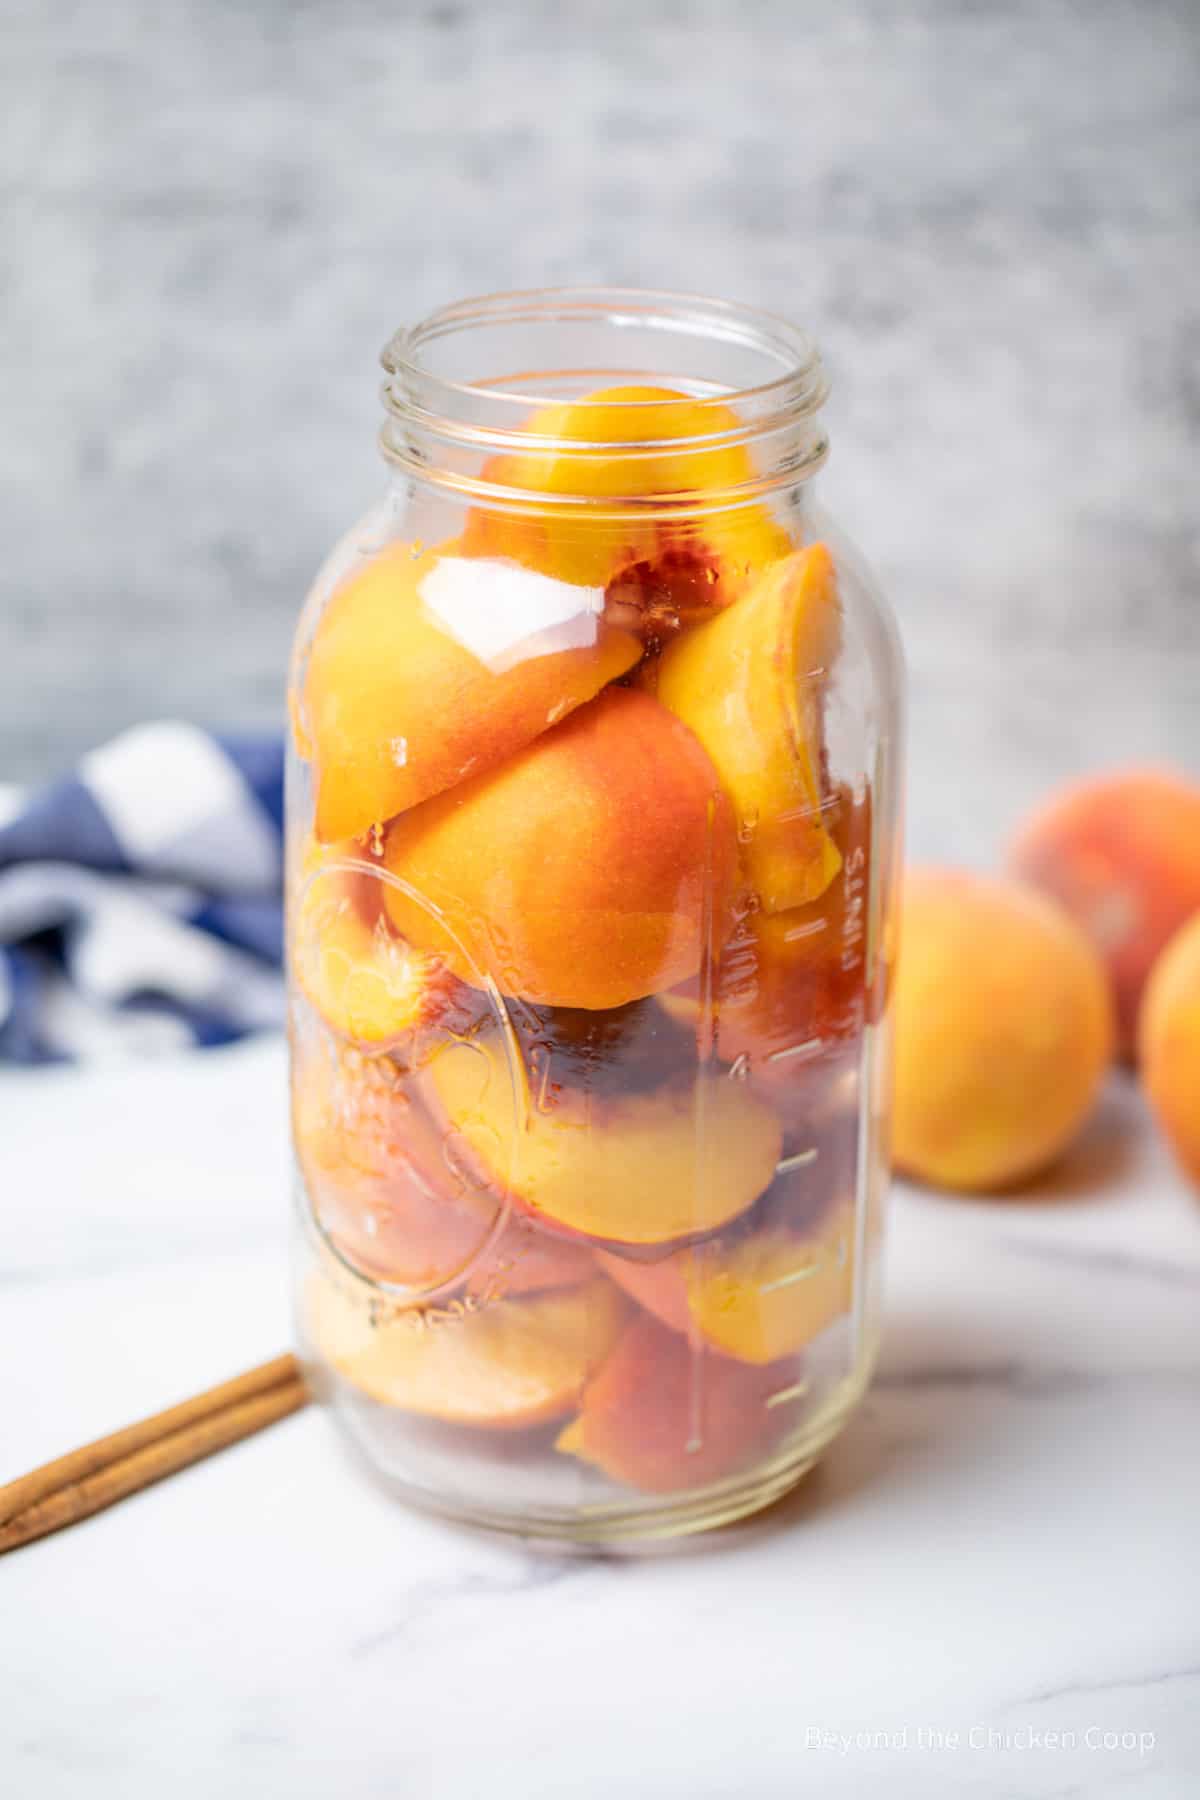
641	1168
664	1418
629	445
389	1196
588	871
790	988
369	985
750	684
428	666
627	1050
510	1365
757	1297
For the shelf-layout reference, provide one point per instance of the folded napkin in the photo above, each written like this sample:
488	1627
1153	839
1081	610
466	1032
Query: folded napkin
140	900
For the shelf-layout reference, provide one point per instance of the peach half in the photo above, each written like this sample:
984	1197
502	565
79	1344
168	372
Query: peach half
664	1418
428	666
368	985
758	1297
629	446
588	871
391	1198
640	1168
508	1366
750	684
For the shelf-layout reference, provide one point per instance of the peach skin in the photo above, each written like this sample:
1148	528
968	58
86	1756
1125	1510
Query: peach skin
1170	1044
615	444
759	1296
663	1418
1122	853
750	684
640	1168
1003	1030
588	871
427	667
507	1366
576	1052
394	1203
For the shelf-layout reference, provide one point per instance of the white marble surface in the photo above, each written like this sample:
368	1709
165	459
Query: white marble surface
1005	1542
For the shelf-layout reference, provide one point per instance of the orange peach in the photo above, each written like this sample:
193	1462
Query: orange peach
1169	1044
664	1418
1122	853
750	684
639	1168
1003	1030
508	1365
394	1203
368	985
427	667
662	567
758	1296
588	871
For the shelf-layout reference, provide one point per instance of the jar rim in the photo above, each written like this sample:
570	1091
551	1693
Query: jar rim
489	409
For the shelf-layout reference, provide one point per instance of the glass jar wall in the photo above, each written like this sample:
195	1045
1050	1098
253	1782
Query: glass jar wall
592	826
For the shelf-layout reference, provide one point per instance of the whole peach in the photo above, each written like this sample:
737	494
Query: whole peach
1169	1044
1003	1030
1122	854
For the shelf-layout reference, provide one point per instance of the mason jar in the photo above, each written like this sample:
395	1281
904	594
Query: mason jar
592	831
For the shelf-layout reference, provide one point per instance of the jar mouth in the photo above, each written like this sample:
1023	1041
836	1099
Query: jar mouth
470	380
430	358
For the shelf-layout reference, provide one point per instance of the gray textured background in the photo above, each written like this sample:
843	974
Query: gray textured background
987	213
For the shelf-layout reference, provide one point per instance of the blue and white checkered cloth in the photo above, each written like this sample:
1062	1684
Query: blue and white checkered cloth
140	898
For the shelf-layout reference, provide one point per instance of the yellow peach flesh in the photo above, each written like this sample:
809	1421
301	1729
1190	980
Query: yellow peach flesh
640	1169
750	684
427	667
508	1365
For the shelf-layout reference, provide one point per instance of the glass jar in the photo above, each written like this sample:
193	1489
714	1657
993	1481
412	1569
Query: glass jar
592	828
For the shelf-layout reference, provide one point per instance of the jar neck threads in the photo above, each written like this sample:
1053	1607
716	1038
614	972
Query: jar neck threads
608	399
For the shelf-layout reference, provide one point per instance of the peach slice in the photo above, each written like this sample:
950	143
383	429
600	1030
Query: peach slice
628	1050
588	871
427	666
749	683
791	986
391	1198
758	1297
616	444
642	1168
508	1366
368	985
664	1418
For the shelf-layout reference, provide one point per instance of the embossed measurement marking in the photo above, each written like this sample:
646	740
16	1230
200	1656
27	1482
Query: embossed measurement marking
803	1273
796	1391
810	1047
800	1159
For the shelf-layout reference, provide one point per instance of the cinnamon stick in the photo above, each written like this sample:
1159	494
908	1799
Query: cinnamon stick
87	1480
